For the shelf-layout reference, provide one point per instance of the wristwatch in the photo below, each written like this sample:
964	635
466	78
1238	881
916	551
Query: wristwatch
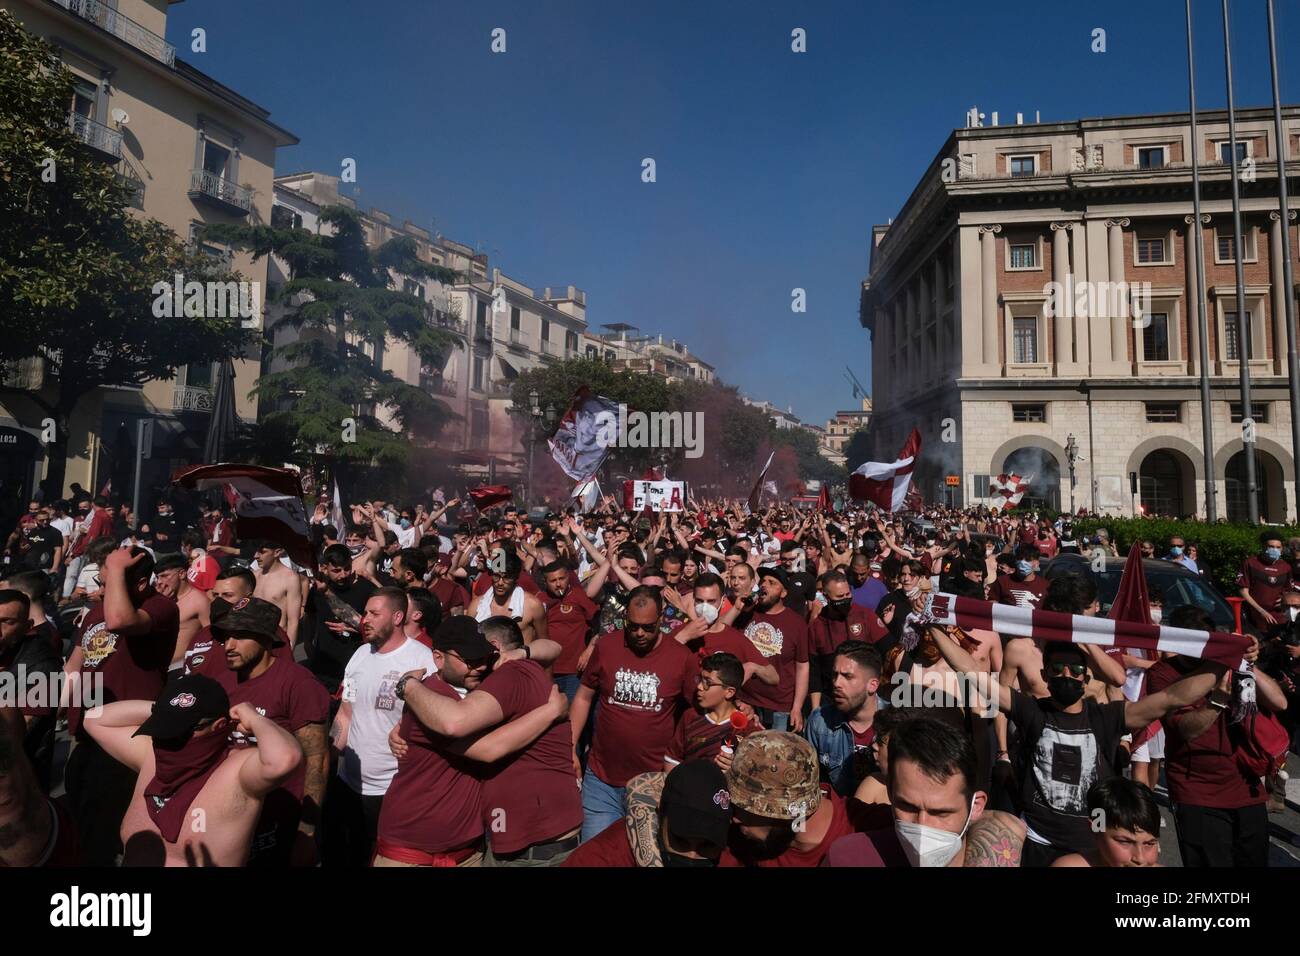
400	690
1220	700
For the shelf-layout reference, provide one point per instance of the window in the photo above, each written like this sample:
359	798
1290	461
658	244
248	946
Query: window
200	376
1025	412
215	158
1225	246
546	330
282	217
1023	165
1225	151
1150	157
592	352
981	489
1230	336
1155	338
479	428
571	341
1024	256
83	99
514	318
1258	412
1025	333
1164	411
1151	250
478	373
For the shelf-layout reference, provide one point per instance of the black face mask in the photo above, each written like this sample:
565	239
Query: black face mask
839	610
1065	690
676	859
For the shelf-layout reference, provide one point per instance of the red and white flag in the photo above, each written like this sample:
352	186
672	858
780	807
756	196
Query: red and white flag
973	614
267	503
587	494
1007	490
756	493
586	433
886	484
485	496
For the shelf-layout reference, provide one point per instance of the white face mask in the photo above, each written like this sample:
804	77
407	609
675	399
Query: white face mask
1156	614
930	846
706	611
1291	611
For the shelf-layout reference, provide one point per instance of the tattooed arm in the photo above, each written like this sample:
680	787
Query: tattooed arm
995	839
26	818
316	758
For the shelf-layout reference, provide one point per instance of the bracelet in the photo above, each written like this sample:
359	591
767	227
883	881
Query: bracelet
528	652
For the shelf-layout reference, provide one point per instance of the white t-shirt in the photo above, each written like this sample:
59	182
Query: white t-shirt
405	536
64	525
370	685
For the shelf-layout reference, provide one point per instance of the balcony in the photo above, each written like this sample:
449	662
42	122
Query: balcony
497	390
552	349
483	333
103	142
222	193
122	27
449	322
189	399
519	339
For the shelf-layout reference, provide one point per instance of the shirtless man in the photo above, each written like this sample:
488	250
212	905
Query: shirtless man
193	595
506	598
177	818
279	584
34	830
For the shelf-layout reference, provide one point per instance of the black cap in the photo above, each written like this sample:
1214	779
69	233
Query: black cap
460	634
183	704
696	805
249	615
772	571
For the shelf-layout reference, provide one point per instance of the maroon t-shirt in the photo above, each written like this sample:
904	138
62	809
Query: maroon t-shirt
532	796
877	848
1202	772
449	594
862	624
640	700
567	621
1266	582
206	651
841	825
101	526
699	738
728	640
782	639
133	667
435	802
609	847
1008	590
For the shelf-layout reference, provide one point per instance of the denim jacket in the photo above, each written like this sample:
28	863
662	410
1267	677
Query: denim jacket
831	736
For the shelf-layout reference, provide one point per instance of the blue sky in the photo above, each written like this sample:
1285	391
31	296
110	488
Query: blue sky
772	166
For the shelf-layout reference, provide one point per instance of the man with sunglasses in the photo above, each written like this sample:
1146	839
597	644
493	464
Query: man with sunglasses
644	681
1068	741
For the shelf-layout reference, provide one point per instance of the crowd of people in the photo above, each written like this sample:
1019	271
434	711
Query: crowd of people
712	687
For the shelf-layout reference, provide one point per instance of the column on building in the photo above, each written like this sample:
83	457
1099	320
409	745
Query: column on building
1061	320
881	357
1079	269
943	340
1192	236
1118	323
1098	329
989	294
1278	296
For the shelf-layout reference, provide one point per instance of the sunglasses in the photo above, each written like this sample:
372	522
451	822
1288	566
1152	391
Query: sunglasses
1058	669
634	626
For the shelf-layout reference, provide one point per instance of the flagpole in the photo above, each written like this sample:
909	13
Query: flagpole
1288	280
1243	342
1207	426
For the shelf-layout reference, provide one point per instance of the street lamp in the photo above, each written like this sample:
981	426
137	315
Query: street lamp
1071	456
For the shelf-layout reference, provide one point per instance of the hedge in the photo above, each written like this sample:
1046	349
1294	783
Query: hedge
1222	547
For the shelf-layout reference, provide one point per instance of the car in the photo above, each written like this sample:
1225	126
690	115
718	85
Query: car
1172	584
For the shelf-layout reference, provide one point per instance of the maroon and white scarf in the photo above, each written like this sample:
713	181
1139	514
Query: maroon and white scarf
972	614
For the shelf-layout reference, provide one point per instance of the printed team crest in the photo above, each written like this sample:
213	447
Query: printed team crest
97	644
723	799
566	608
196	660
768	639
240	604
855	629
184	700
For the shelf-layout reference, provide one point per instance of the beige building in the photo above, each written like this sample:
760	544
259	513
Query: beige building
504	327
197	152
624	347
968	343
841	428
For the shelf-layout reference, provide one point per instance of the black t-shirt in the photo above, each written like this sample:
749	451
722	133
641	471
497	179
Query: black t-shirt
331	651
169	529
1061	756
802	589
41	543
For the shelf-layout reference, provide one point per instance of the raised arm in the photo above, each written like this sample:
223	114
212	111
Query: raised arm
960	660
276	756
112	726
1182	693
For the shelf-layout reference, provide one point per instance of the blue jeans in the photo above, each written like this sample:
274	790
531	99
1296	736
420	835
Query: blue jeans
569	683
602	805
773	719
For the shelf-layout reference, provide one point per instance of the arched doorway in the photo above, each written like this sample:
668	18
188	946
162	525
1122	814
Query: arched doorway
1269	487
1044	473
1161	482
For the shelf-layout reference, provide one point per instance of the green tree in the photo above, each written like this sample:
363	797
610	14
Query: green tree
342	300
77	270
858	448
812	464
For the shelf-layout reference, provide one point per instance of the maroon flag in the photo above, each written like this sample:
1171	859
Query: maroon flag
824	499
267	503
107	489
885	484
1133	604
485	496
758	485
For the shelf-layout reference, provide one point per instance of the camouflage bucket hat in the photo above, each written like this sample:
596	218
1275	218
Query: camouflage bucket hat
774	774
